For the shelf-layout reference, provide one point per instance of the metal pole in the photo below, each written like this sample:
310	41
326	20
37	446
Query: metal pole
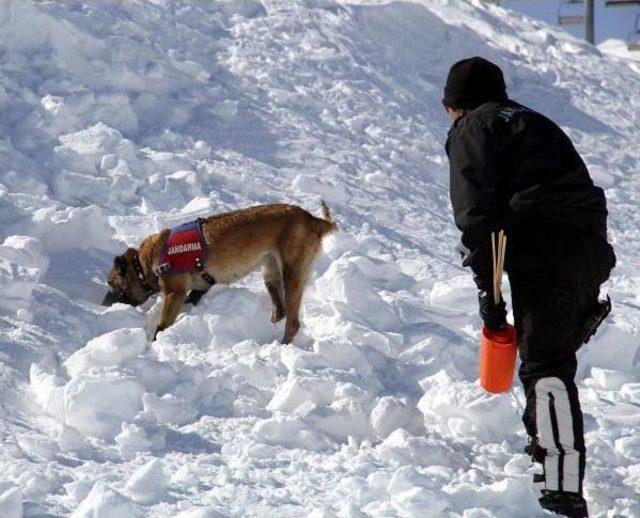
589	25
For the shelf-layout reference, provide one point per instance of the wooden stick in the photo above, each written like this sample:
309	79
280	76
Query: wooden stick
500	241
503	244
498	256
499	270
495	265
504	253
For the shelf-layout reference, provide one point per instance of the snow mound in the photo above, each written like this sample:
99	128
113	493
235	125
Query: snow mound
98	403
22	265
465	411
391	413
104	502
148	485
619	49
109	383
111	349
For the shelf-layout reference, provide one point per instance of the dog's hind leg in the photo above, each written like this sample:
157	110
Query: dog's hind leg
272	275
295	275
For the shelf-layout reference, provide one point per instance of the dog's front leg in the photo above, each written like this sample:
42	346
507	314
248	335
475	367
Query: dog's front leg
170	308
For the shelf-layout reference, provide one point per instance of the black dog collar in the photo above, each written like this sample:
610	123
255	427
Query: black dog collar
137	266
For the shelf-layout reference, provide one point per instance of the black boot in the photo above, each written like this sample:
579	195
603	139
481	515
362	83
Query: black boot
572	505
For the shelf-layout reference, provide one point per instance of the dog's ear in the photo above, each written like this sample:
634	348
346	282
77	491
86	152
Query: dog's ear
121	264
130	253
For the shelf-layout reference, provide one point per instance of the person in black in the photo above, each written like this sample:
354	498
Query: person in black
514	169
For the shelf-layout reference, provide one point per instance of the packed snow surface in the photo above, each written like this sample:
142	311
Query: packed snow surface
121	118
620	48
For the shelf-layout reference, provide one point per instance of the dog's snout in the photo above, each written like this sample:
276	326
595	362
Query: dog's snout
109	298
115	295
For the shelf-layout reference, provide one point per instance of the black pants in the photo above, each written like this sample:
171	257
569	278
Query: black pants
555	276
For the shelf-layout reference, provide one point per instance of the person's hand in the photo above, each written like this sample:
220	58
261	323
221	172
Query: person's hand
494	317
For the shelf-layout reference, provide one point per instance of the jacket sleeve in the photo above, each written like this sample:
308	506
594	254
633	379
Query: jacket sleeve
474	195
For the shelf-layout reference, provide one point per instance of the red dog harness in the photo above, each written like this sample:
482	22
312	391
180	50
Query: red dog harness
185	250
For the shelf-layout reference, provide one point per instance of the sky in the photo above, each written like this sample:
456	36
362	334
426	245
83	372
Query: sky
611	22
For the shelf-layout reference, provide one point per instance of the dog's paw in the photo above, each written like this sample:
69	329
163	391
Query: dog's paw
276	317
194	297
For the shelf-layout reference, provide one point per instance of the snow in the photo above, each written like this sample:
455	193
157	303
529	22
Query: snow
148	485
104	502
22	264
619	48
11	503
111	349
391	413
97	403
122	118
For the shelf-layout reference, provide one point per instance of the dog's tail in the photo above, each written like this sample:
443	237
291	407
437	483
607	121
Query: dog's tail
326	225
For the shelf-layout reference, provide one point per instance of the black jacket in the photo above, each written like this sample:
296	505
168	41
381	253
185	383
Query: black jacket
514	169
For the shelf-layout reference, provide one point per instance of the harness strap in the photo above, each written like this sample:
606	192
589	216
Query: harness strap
208	278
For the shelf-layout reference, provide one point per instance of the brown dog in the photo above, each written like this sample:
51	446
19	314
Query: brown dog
282	239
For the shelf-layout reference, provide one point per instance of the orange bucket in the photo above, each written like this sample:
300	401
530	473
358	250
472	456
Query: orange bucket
498	351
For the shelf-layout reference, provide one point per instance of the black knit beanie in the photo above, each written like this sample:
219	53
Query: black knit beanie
472	82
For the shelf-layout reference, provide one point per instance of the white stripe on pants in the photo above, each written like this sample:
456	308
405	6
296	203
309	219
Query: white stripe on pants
552	391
